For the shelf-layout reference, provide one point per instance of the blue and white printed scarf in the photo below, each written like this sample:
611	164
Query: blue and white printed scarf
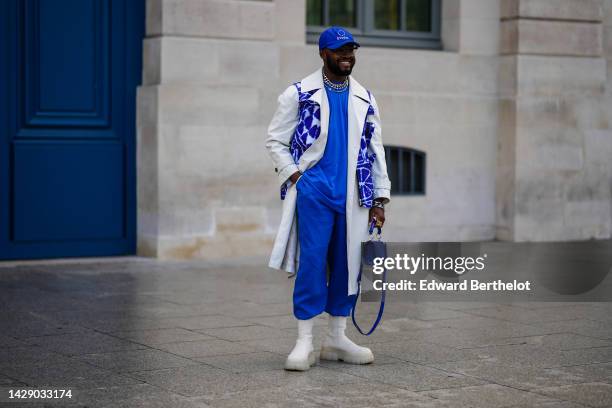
308	130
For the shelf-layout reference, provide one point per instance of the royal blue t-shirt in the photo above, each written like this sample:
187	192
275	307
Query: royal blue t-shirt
328	176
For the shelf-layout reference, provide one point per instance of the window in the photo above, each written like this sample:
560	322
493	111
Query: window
406	169
391	23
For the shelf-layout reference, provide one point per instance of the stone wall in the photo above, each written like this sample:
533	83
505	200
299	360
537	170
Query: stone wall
554	173
214	68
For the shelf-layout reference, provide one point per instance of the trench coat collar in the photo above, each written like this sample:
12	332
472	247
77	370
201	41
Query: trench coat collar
315	81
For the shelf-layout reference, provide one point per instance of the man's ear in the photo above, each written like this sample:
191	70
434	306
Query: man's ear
322	54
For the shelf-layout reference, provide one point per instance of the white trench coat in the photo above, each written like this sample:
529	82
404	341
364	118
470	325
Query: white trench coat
285	253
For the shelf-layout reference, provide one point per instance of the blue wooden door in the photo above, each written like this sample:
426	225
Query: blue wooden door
69	71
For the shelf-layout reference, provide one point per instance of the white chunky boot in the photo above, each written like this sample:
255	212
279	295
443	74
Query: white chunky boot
302	356
336	346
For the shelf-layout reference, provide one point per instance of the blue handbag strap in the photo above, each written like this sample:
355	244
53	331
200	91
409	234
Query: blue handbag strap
382	300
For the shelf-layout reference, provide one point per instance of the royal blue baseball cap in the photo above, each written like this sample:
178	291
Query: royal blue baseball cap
335	37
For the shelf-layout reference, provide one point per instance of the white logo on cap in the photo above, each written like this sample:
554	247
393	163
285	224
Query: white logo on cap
341	35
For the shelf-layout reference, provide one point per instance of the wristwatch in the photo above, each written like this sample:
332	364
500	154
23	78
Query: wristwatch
378	204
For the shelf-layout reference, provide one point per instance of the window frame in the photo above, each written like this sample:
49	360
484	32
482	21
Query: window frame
367	35
413	153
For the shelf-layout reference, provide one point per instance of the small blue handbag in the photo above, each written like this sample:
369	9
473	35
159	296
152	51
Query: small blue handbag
370	250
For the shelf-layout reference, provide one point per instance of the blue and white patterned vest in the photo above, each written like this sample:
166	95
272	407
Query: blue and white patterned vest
308	130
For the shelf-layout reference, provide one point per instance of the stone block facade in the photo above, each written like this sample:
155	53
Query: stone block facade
513	113
554	180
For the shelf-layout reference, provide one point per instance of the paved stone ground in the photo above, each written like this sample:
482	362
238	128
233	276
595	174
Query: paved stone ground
134	332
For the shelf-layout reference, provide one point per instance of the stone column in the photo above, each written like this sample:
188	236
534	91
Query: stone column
210	82
554	171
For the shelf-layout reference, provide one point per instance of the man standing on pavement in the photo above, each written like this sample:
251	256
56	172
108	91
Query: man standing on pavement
325	143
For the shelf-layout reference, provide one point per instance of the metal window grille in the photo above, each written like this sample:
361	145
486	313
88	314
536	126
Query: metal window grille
406	170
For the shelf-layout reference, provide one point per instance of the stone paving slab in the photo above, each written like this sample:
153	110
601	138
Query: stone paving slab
86	342
466	339
8	342
69	374
135	396
370	394
267	397
504	333
424	352
22	326
550	404
488	395
521	377
154	337
591	394
135	360
199	380
120	322
207	348
459	305
593	355
317	376
138	332
596	372
403	324
6	381
562	341
17	356
167	310
430	312
246	362
413	377
253	332
541	356
245	309
206	322
593	328
528	316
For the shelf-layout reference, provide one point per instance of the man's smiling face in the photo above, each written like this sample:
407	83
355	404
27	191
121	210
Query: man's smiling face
341	60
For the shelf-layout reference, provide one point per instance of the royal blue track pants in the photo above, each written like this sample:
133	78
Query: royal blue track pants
322	237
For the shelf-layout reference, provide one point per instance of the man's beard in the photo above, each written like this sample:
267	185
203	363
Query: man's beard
335	68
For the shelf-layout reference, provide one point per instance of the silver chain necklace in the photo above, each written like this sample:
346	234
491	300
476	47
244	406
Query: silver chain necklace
334	86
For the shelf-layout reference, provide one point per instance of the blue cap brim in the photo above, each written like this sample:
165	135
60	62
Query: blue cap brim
342	44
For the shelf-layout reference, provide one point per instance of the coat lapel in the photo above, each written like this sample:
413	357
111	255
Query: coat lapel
361	102
356	216
314	81
358	108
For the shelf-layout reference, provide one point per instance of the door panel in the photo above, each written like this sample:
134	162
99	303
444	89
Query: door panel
54	202
67	59
67	146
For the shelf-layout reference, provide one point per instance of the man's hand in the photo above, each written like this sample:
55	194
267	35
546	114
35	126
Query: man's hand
295	176
379	214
